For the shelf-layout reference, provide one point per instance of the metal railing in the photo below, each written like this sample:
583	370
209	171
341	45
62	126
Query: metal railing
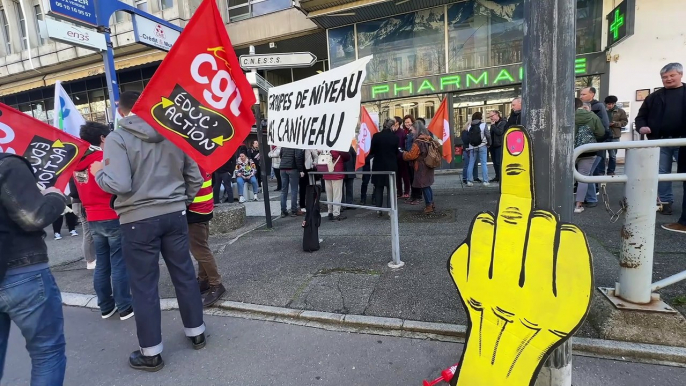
639	204
393	210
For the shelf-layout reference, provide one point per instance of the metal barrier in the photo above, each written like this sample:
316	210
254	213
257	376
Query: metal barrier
393	210
638	233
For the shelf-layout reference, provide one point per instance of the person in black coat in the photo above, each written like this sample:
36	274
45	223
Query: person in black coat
349	179
223	175
384	151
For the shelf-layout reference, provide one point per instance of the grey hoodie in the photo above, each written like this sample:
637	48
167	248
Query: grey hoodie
149	175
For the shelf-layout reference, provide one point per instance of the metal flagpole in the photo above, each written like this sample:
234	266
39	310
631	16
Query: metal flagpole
548	114
264	153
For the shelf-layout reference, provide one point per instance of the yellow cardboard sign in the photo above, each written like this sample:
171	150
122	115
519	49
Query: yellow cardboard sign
525	279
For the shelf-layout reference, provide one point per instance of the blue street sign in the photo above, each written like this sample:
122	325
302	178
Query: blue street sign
82	11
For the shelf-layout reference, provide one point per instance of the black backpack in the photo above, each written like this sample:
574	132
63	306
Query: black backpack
475	135
313	218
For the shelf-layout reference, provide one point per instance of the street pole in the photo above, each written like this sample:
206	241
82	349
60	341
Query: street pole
111	76
548	114
264	152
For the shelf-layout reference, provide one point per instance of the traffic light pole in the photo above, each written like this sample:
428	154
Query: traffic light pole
264	153
548	114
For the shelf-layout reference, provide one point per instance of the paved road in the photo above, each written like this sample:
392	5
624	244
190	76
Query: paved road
248	352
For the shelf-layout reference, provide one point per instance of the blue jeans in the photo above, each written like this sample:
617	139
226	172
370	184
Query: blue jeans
289	179
33	302
428	195
591	192
664	189
110	280
465	163
482	154
241	184
612	158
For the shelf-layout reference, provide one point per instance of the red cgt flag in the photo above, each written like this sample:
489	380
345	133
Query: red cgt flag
199	98
52	152
440	127
364	138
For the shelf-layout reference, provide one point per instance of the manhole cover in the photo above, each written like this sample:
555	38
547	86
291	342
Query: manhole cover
418	216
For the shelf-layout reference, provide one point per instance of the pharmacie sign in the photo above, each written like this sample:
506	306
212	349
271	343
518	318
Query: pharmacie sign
466	80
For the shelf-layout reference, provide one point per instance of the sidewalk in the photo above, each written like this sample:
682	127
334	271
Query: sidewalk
244	352
349	274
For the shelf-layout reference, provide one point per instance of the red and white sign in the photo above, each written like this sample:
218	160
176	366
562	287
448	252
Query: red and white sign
52	153
440	127
364	138
150	33
199	98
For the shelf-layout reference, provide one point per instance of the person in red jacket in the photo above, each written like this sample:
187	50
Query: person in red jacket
200	213
334	182
110	279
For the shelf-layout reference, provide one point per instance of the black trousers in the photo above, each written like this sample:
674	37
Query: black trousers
348	187
379	190
142	242
72	219
219	179
277	174
365	184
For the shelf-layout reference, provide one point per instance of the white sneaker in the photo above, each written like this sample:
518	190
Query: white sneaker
74	233
90	265
579	209
487	184
58	236
469	183
255	198
241	199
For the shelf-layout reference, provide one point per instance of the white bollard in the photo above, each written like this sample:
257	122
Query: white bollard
638	232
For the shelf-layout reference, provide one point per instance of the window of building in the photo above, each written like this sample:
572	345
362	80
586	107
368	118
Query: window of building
166	4
22	28
142	5
420	33
6	31
119	17
341	46
244	9
39	17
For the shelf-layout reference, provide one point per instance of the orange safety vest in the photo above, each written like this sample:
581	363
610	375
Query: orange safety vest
203	203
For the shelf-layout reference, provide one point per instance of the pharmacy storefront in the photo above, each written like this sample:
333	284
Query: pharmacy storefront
467	51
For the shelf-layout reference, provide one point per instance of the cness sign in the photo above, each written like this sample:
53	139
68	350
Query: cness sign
199	98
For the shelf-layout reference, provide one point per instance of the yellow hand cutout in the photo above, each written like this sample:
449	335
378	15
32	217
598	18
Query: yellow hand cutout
524	278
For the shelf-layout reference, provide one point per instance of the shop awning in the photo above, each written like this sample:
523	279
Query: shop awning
86	71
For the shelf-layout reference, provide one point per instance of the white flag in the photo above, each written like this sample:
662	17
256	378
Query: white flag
66	117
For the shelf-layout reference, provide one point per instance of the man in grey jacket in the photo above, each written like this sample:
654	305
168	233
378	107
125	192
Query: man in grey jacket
153	181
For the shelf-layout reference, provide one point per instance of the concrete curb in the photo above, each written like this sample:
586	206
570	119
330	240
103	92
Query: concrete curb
625	351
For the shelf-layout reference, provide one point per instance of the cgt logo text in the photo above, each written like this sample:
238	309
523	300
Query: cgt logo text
156	41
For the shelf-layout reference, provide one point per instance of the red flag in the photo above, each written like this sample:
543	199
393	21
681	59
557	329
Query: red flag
364	138
440	127
52	152
199	98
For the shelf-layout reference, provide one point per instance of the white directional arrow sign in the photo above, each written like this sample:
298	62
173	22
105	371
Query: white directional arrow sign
285	60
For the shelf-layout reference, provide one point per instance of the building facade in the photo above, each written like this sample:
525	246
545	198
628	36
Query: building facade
469	51
30	65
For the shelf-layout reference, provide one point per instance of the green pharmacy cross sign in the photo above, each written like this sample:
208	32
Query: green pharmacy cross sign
620	22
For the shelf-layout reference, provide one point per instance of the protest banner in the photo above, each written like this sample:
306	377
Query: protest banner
440	127
320	112
367	130
53	153
66	116
199	98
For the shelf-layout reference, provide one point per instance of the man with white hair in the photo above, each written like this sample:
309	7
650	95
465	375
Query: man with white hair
662	116
515	117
